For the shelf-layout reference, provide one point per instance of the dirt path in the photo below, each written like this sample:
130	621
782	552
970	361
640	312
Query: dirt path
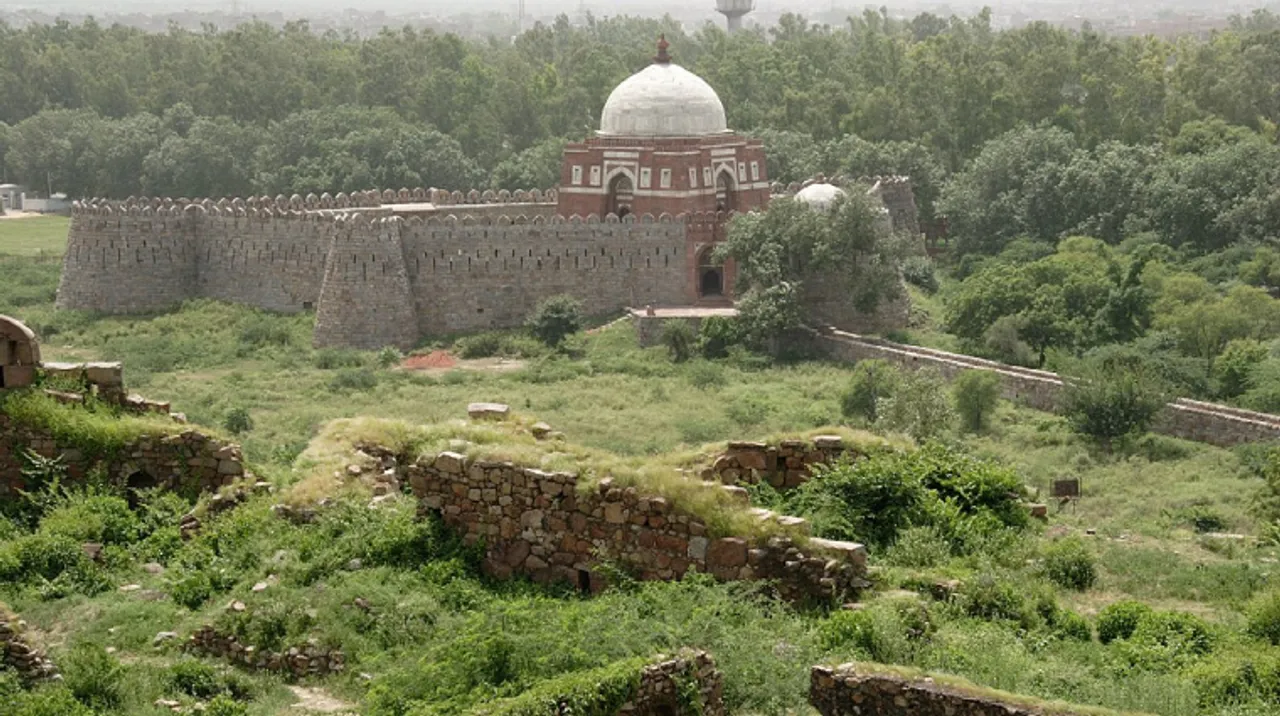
316	701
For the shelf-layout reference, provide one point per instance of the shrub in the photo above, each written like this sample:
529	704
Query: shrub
679	339
872	381
389	357
1071	626
717	334
869	500
354	379
1118	620
976	394
1241	676
261	330
1264	617
1069	564
480	345
93	676
993	598
225	706
1179	633
704	375
47	700
918	271
195	678
191	589
919	405
88	517
748	410
555	319
1112	401
237	421
1234	365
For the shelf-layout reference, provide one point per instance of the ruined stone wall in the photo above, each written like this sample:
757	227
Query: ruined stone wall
847	690
541	525
479	276
1188	419
300	661
659	692
825	301
783	466
188	461
127	263
18	654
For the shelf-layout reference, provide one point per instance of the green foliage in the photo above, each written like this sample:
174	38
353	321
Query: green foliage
1069	564
555	319
237	421
976	394
46	700
717	334
918	406
1240	676
1237	361
94	428
389	357
595	692
93	676
1119	620
705	375
679	339
1071	626
919	271
87	516
333	358
1264	617
360	379
226	706
872	382
1170	638
498	344
1112	402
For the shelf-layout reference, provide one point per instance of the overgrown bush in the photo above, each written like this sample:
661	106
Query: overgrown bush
976	392
1235	364
1069	564
93	676
872	382
1264	617
919	406
1178	634
705	375
717	334
1241	676
237	421
555	319
679	339
90	516
1112	402
918	271
1118	620
354	379
389	357
334	358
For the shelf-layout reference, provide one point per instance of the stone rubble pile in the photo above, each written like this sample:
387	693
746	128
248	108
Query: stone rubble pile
784	465
16	653
659	691
307	660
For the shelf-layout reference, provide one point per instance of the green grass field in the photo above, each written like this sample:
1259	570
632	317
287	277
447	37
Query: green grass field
34	236
439	639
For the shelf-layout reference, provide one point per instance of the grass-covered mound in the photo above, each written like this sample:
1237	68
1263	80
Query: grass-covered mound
98	430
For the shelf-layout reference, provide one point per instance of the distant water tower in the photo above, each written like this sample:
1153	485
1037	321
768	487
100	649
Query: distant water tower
733	10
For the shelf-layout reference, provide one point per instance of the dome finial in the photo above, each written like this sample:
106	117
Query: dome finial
662	57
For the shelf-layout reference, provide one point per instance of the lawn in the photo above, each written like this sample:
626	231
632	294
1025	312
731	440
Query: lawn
34	236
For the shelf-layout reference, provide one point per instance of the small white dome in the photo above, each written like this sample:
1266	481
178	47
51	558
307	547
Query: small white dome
819	195
663	100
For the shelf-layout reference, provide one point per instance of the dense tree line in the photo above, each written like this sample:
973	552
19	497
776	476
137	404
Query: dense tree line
114	111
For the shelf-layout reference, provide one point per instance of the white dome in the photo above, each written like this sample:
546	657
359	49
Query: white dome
819	195
663	100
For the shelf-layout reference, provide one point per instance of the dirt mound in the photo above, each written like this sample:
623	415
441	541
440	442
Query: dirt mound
431	361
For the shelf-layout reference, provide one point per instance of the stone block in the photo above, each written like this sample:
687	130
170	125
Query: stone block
725	553
450	462
614	513
488	411
698	548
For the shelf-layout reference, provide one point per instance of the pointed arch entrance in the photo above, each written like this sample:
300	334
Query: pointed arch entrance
725	189
621	195
710	274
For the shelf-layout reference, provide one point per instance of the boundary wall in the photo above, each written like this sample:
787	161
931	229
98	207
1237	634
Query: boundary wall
1211	423
375	276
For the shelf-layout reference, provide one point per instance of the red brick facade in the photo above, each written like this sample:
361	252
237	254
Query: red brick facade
710	176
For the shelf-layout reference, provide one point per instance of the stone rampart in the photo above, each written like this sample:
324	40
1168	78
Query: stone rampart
188	461
855	690
543	525
1188	419
376	275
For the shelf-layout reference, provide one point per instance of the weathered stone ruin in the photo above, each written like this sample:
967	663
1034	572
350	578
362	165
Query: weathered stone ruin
785	465
858	690
18	654
304	660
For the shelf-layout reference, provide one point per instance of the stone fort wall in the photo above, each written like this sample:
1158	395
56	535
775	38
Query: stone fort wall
375	277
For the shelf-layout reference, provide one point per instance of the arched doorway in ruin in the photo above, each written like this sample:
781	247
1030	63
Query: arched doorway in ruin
139	481
710	274
19	354
622	194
